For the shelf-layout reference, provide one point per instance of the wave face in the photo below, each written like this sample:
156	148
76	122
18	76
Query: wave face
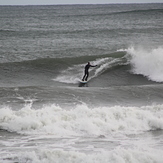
112	69
140	66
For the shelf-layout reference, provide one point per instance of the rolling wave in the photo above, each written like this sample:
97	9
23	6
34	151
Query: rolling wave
103	120
139	61
74	73
117	66
51	64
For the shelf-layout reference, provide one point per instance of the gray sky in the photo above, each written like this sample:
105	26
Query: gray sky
44	2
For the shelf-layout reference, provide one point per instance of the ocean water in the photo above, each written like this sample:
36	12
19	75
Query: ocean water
47	116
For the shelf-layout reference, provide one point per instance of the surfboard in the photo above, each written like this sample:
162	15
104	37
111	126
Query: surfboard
83	82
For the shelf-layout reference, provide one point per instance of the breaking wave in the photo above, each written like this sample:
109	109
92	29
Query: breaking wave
147	62
82	120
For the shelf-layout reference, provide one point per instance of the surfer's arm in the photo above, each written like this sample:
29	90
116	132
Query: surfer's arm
93	65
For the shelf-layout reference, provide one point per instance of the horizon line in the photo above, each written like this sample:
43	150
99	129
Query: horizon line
78	4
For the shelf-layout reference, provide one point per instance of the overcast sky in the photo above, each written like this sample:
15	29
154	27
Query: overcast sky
43	2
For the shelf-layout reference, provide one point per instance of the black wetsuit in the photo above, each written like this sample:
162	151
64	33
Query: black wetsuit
86	74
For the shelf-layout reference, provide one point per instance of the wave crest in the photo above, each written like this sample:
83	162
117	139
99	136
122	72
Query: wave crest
147	62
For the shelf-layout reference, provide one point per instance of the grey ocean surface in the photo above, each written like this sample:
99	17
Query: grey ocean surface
47	116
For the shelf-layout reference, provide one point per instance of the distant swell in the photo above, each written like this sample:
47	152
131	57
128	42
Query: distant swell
142	11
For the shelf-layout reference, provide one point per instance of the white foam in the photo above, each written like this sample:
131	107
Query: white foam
147	62
118	155
82	120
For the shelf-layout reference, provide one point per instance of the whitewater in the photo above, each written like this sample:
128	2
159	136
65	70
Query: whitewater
48	116
81	134
147	62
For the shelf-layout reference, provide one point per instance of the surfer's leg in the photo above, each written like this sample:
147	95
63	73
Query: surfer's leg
87	76
84	77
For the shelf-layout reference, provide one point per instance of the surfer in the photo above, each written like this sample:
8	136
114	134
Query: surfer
86	72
